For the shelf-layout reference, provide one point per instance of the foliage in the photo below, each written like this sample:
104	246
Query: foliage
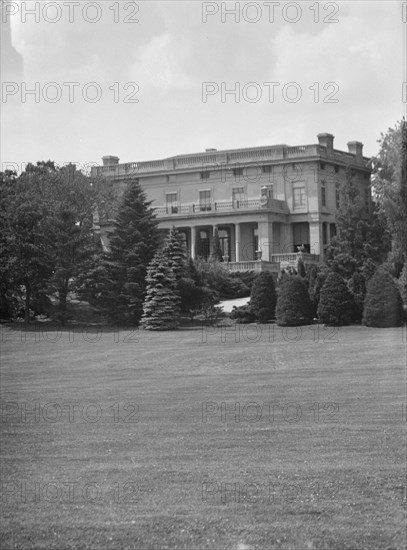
294	306
361	240
336	305
161	308
119	275
357	287
301	268
383	306
263	297
402	284
217	277
174	251
390	187
243	314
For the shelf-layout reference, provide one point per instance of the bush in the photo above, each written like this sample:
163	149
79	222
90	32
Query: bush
243	314
336	305
263	297
383	305
294	306
217	277
357	287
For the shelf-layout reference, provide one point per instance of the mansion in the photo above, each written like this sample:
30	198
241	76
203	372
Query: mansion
267	203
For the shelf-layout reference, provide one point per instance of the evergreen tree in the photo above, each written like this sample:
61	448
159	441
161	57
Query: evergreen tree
217	254
336	305
301	268
294	306
161	308
383	305
133	243
263	297
174	251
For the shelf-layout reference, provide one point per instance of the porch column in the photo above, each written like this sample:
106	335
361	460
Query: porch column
315	236
265	239
237	242
193	241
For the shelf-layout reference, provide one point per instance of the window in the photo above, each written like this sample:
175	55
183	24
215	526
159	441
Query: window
299	197
337	196
267	169
322	165
238	172
224	243
171	202
238	196
336	169
205	200
323	193
204	175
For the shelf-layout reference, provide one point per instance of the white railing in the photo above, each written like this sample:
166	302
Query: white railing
255	265
220	206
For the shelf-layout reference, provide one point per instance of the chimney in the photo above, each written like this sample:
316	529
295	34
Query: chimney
355	148
210	150
326	140
109	160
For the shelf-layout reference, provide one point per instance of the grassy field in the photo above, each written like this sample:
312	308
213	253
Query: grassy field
204	439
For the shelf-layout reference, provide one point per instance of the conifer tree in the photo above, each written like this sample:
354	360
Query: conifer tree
294	306
161	308
336	305
116	280
174	251
357	286
383	305
263	297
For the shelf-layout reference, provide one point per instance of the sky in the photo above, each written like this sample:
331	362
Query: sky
147	80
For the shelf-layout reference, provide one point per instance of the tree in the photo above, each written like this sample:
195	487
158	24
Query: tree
133	243
361	240
161	308
263	297
175	252
390	187
217	254
294	306
336	305
25	242
383	305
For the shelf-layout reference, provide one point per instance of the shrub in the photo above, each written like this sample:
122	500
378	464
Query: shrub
216	276
294	306
383	306
336	304
357	287
263	297
243	314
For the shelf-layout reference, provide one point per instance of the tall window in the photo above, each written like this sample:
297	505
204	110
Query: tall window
205	200
299	197
238	196
171	201
323	193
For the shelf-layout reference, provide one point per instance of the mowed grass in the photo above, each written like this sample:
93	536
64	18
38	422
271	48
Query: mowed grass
156	453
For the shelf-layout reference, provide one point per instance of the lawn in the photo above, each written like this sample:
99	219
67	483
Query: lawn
204	439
